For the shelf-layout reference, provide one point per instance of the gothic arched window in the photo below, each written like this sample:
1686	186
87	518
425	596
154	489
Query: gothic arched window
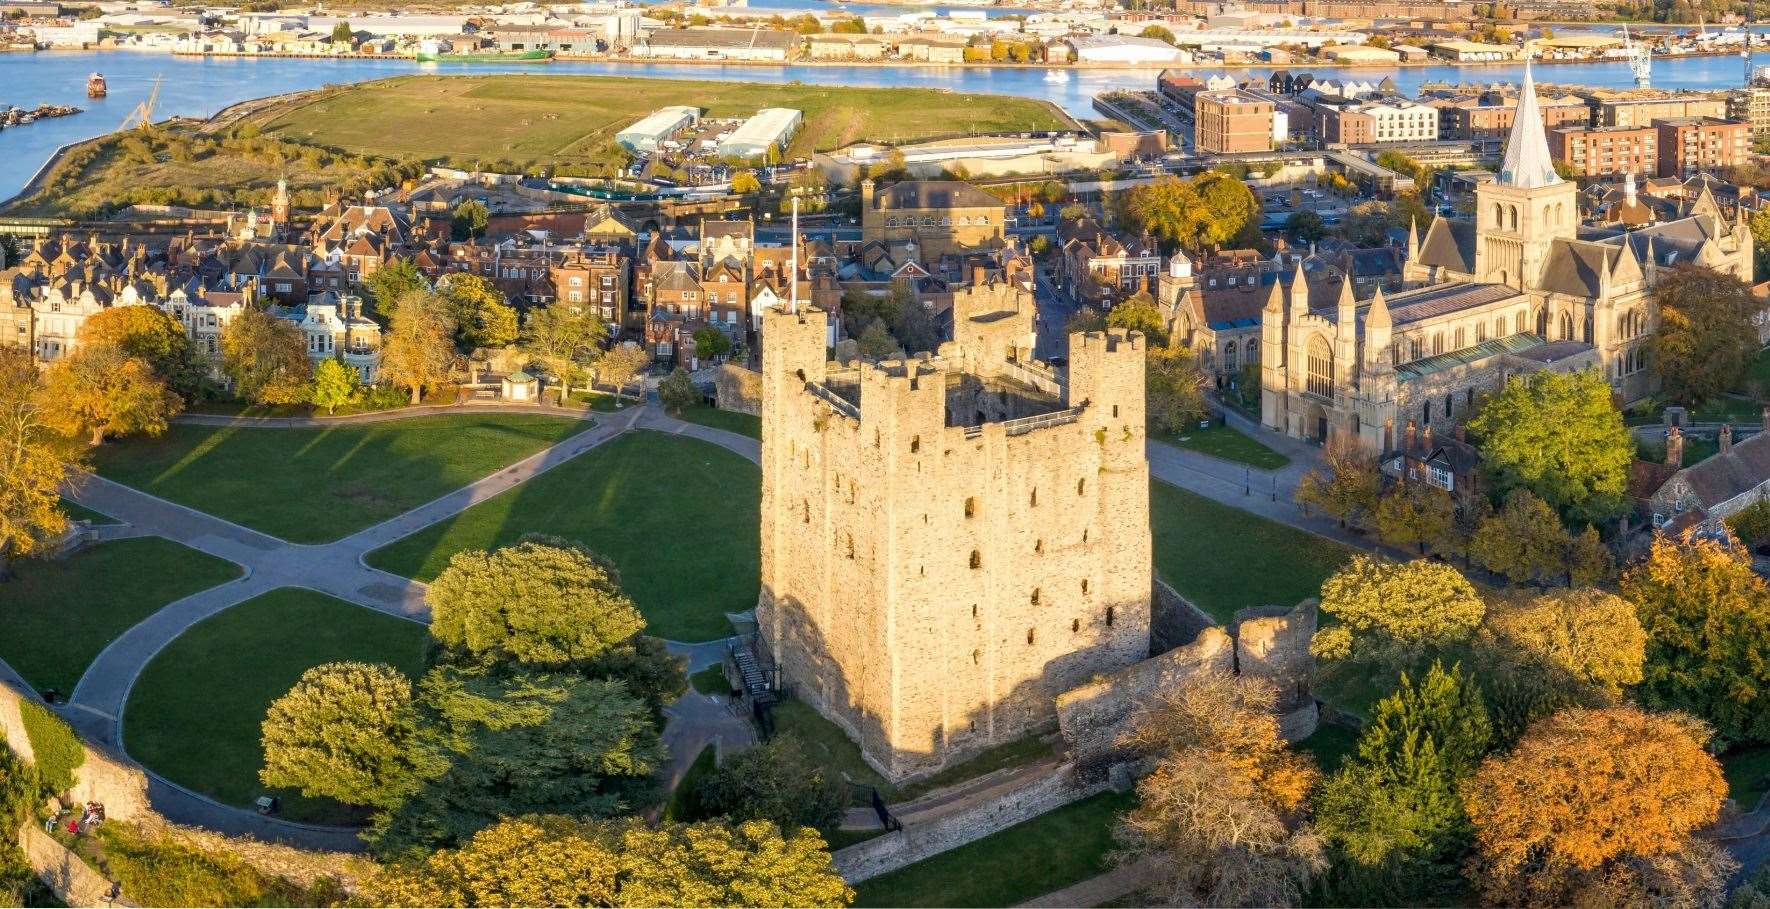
1321	368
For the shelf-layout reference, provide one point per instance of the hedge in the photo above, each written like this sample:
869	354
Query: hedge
57	750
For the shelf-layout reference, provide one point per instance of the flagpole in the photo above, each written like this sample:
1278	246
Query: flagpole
793	273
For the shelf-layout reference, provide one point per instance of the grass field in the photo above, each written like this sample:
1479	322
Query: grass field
1027	860
1224	559
569	119
195	714
1330	745
678	516
1748	774
59	615
77	512
1229	444
729	420
316	485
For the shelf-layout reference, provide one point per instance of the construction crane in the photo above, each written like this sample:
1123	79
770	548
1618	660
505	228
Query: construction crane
142	115
1640	58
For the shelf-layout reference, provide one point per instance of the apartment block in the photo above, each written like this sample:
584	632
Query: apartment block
1607	152
1691	145
1226	122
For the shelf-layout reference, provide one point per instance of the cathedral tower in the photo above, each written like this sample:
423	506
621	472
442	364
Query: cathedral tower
1519	216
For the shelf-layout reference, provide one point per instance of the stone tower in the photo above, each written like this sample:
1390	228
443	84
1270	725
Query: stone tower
1520	215
950	541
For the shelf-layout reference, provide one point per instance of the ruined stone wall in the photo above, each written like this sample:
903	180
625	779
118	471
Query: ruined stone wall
922	840
1173	619
930	588
299	865
67	875
737	388
103	777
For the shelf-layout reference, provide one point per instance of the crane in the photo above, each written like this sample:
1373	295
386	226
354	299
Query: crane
142	115
1640	58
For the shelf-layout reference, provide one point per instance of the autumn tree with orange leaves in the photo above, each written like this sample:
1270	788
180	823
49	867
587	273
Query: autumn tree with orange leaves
1599	807
1222	814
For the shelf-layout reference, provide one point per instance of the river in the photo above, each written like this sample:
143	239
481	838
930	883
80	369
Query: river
199	87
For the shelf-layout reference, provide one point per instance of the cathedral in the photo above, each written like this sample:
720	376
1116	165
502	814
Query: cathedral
1521	287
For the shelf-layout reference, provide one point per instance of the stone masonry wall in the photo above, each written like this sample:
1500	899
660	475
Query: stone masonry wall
916	842
67	875
104	776
1173	619
739	389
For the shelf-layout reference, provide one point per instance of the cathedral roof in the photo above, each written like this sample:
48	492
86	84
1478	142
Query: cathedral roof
1528	164
1443	299
1511	344
1449	244
1576	267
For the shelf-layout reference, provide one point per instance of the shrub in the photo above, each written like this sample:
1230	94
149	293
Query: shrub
157	869
57	750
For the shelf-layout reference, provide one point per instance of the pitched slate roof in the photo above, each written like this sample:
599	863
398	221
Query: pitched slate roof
1574	267
933	194
1731	473
1450	244
1440	299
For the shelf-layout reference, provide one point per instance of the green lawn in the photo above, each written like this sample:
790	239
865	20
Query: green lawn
1028	860
832	748
1224	559
1696	450
1760	368
598	401
59	615
678	516
710	680
571	119
681	805
729	420
1748	774
1330	745
1228	443
77	512
196	713
317	485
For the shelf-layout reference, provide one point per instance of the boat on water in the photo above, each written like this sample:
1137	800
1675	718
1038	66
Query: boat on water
534	56
1056	76
95	86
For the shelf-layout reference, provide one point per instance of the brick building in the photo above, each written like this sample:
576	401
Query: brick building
1229	122
1692	145
1607	152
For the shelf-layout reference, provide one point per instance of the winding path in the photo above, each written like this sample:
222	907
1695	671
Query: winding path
337	568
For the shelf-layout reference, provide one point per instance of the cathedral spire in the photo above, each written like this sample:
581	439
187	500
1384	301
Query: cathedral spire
1527	164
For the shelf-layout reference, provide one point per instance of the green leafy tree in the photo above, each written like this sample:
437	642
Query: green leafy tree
266	358
1139	313
566	341
710	342
1344	485
1175	388
1415	514
333	384
1760	228
150	334
678	391
620	364
1393	814
1589	561
341	34
539	604
777	781
1707	333
1417	603
1560	436
1587	636
483	318
1523	540
1158	33
1305	226
1707	617
561	861
386	285
876	342
347	731
469	220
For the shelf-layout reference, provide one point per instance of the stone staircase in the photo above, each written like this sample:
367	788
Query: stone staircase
755	678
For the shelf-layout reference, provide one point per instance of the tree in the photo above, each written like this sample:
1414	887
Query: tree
1560	436
1175	388
710	342
620	364
1158	33
1523	540
483	318
1139	313
678	391
1344	485
341	34
1211	209
389	283
1590	636
559	861
100	391
468	220
417	350
1707	333
1305	226
1584	790
876	343
346	731
1393	812
35	460
266	358
776	782
1589	561
1707	618
543	604
150	334
1417	603
1231	213
516	742
567	341
333	384
1220	812
744	182
1415	514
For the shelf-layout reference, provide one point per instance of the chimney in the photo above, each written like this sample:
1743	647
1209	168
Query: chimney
1426	439
1674	447
1408	440
1726	438
977	274
1460	435
866	196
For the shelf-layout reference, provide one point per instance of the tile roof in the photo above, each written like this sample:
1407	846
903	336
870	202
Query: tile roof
1449	243
1440	299
1730	473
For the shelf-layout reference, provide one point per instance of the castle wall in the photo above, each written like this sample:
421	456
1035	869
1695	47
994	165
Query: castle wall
932	588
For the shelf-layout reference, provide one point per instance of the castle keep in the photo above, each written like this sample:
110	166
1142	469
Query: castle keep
950	541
